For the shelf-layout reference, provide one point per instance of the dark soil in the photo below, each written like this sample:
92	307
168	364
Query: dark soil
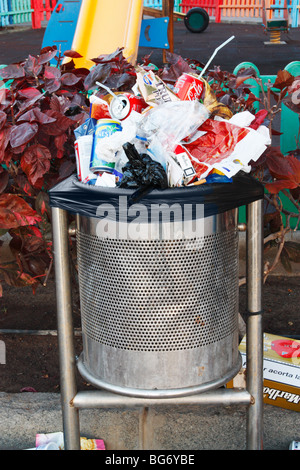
32	360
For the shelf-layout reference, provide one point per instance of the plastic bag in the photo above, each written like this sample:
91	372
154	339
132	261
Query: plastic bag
173	121
141	172
108	147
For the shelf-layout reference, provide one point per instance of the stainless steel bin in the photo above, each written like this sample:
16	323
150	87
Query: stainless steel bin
160	313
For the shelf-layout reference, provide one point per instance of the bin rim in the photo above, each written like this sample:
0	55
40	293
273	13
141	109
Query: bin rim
83	199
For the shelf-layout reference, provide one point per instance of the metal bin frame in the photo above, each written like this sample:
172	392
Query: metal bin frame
252	396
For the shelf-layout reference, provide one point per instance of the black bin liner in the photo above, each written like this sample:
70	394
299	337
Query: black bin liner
83	199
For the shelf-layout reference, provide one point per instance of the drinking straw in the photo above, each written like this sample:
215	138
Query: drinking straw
215	52
108	89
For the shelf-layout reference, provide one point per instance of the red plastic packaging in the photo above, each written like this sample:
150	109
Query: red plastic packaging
215	145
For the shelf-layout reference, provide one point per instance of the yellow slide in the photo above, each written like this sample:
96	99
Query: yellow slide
105	25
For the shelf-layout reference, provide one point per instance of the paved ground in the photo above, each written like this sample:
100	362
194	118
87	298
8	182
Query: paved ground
248	45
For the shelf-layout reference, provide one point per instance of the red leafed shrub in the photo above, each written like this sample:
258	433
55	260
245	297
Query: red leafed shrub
43	104
39	110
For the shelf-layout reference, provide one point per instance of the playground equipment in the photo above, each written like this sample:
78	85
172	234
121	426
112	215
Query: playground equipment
275	20
92	28
62	25
196	20
86	27
100	30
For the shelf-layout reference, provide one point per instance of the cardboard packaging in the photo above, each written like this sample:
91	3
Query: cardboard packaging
281	371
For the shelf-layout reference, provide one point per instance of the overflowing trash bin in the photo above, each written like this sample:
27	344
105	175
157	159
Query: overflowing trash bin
156	196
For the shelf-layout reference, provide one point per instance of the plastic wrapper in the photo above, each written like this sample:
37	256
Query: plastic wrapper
225	146
55	441
78	198
211	103
153	89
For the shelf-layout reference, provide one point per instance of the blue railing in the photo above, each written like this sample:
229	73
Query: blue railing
158	4
15	12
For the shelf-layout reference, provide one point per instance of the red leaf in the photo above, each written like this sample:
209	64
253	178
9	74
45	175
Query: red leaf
15	212
2	119
29	93
23	184
59	142
287	168
52	78
13	276
59	103
42	203
73	54
4	177
4	139
32	66
35	115
283	79
22	133
277	186
27	239
69	79
28	103
47	54
12	71
52	73
60	126
35	162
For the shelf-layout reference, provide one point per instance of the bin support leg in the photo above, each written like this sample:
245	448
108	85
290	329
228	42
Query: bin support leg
254	342
65	329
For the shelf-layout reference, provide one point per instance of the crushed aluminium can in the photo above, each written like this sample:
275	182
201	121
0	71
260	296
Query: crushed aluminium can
188	87
122	105
104	128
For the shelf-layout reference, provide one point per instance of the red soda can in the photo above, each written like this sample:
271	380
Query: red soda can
188	87
122	105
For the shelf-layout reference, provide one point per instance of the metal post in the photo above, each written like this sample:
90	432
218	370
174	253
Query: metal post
65	331
254	343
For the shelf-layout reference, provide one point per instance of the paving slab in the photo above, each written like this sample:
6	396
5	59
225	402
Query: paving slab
24	415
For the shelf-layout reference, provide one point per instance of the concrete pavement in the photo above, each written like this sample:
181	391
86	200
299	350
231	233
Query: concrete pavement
24	415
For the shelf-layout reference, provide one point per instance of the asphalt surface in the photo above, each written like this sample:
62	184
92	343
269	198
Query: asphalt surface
248	45
24	415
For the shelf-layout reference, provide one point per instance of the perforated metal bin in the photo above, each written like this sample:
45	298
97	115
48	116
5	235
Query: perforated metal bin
159	314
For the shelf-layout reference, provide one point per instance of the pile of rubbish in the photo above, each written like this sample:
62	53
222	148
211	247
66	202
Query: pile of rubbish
161	136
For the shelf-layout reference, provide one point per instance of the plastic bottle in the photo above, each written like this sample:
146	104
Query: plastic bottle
121	160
